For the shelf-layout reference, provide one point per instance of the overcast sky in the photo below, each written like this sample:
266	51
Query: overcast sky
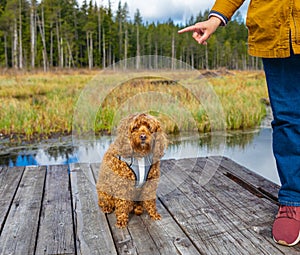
162	10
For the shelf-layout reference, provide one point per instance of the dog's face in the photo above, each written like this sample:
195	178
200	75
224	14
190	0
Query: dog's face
142	133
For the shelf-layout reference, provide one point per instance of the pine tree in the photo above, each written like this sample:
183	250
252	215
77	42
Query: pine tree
137	22
60	34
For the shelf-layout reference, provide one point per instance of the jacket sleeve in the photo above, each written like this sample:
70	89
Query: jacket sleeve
225	9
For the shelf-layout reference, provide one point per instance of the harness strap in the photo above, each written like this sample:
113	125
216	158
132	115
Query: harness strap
140	167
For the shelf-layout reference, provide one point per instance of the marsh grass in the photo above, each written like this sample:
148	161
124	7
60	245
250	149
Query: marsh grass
40	105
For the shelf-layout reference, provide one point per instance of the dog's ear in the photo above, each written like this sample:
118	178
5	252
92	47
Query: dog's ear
124	125
123	136
161	143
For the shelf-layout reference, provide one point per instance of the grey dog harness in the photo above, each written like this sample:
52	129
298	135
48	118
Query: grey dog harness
140	167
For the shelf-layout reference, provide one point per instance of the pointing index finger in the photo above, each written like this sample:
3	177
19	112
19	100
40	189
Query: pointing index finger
187	29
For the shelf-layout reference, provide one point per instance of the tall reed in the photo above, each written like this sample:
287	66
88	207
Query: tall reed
40	105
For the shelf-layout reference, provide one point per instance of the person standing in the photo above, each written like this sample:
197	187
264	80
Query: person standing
273	35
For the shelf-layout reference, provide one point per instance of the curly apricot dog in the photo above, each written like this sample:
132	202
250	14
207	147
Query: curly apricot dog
130	169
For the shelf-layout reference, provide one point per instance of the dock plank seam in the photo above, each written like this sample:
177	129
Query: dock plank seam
269	195
40	212
258	192
73	210
227	165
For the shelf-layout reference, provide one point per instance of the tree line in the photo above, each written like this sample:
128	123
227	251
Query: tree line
61	34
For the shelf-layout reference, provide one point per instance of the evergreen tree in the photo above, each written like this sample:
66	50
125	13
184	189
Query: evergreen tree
60	34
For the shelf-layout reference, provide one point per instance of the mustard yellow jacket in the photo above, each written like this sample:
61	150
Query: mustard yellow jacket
274	25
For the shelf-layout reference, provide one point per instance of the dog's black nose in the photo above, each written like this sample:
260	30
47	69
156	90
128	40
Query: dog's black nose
143	137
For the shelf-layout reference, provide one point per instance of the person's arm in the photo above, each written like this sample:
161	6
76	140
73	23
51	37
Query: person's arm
225	8
220	14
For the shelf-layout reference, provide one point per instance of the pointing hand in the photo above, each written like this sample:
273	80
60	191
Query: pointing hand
203	30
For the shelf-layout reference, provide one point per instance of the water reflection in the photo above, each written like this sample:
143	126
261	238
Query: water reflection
251	149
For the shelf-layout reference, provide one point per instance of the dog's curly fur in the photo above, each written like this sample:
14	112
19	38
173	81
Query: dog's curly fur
138	135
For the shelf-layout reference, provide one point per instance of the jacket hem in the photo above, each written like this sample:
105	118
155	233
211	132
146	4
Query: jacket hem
269	53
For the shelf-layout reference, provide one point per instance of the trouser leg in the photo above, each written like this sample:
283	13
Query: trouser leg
283	79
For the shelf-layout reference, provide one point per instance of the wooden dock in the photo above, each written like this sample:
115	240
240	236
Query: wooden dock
53	210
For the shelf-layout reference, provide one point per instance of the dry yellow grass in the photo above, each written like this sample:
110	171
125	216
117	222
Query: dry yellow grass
39	105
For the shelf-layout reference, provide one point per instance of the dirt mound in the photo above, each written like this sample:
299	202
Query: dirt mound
215	73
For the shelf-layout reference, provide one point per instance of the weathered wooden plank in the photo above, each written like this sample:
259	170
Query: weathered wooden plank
134	239
141	236
228	192
167	234
209	229
219	215
56	235
122	238
20	230
222	189
145	236
95	169
256	212
211	213
91	227
9	181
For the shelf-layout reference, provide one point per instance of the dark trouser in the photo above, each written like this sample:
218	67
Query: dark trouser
283	79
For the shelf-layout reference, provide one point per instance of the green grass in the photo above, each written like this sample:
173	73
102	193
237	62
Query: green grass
40	105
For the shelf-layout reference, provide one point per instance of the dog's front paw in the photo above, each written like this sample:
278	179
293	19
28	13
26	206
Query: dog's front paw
138	210
121	224
122	221
155	216
107	209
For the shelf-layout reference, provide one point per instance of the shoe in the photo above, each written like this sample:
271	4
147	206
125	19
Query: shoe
286	227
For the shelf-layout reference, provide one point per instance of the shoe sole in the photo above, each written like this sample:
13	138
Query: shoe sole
281	242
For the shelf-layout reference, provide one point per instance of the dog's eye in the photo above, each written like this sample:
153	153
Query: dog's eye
135	128
151	129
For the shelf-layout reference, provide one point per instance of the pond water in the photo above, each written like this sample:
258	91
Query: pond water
251	149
